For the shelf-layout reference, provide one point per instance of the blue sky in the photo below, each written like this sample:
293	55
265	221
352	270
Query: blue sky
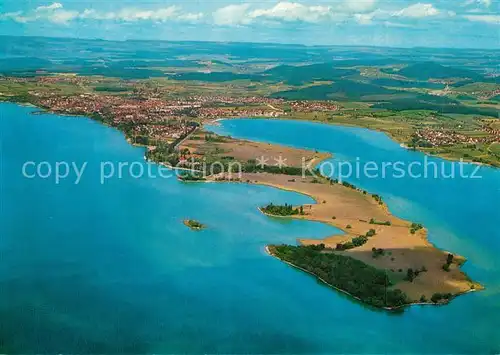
396	23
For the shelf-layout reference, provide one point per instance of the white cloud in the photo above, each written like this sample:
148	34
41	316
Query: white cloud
493	19
171	13
94	15
368	18
364	19
62	16
158	15
384	17
283	11
192	17
55	13
53	6
397	24
291	11
16	16
358	5
360	11
232	15
417	11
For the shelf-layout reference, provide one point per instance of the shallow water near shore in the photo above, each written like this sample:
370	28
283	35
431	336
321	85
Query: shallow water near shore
110	268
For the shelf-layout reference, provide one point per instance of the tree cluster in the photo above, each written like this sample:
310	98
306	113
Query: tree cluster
214	138
412	274
191	176
356	241
386	223
376	252
363	281
252	167
282	210
415	227
378	198
449	261
437	297
191	223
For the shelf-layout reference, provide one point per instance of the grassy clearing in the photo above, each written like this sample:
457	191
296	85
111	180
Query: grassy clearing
495	148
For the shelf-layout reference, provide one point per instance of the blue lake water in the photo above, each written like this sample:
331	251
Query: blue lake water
110	268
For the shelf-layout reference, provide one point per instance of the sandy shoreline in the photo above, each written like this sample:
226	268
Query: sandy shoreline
430	303
353	211
403	249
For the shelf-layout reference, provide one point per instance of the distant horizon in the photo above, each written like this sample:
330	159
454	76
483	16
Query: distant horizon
247	42
463	24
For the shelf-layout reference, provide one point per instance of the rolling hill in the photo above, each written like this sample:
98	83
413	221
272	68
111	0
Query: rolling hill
341	90
299	75
431	70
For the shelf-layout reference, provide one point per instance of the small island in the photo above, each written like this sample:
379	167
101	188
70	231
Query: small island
194	225
282	210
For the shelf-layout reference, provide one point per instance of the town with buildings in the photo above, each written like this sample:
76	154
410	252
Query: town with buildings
439	137
148	111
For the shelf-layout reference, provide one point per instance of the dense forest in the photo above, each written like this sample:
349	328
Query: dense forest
191	176
363	281
282	210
